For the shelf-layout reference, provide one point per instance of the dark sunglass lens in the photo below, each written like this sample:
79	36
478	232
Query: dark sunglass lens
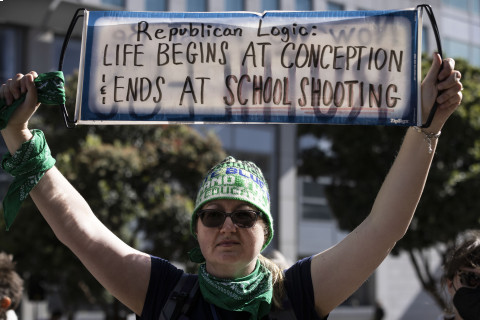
213	219
470	279
244	218
474	279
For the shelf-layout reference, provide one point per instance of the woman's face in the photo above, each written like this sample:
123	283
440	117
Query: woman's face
465	277
230	251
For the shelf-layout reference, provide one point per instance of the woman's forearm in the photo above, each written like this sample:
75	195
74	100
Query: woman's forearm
400	193
121	269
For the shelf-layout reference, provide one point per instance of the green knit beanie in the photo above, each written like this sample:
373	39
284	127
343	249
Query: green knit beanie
236	180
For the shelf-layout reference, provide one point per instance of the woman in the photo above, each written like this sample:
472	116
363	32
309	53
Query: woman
462	278
233	229
11	287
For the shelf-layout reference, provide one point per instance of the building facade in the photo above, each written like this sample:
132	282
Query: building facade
32	40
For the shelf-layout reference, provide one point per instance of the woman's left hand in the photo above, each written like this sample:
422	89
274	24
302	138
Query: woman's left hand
442	86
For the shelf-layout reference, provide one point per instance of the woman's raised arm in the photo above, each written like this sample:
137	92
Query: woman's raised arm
122	270
339	271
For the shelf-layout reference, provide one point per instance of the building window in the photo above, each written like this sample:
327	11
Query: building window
303	5
470	6
314	209
155	5
333	6
197	5
234	5
456	49
72	54
476	56
118	3
314	204
270	5
459	4
251	143
476	7
11	56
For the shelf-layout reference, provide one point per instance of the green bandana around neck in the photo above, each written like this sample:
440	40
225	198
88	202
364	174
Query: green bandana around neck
50	90
237	180
252	294
27	165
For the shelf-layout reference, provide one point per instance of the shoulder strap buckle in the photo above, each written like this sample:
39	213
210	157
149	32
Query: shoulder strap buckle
181	299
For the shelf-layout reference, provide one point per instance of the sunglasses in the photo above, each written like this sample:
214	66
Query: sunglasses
213	218
469	279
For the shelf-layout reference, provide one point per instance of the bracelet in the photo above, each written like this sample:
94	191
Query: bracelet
428	136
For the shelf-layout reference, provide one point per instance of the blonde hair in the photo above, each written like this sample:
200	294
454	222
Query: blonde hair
278	279
276	265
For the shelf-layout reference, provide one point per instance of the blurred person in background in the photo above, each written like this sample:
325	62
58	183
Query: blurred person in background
11	287
461	279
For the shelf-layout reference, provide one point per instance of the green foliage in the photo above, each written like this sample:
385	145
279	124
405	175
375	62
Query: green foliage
360	157
139	180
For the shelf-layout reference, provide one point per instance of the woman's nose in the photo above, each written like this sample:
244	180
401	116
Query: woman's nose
228	225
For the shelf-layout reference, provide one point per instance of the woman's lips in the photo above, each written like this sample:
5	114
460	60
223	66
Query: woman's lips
227	243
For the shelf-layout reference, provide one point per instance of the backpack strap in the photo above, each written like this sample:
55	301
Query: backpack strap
181	298
192	296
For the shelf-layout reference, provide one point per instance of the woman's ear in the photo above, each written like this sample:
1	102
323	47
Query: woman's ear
449	283
450	286
5	303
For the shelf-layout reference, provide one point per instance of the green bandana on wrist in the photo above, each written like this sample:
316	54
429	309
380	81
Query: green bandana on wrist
252	293
50	91
27	165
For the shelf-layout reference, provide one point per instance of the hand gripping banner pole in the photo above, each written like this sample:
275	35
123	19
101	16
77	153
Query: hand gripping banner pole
69	123
436	32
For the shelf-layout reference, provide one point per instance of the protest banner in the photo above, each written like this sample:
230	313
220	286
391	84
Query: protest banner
339	67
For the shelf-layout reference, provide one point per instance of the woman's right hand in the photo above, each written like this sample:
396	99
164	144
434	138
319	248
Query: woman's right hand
16	132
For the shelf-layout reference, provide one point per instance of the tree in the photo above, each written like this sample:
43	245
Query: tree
358	157
139	181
